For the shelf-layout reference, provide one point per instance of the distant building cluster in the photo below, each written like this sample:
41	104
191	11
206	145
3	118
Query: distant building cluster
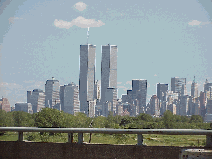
99	98
176	100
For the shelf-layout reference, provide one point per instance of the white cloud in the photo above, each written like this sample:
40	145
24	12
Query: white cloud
80	22
119	82
196	22
11	19
80	6
129	82
10	86
62	24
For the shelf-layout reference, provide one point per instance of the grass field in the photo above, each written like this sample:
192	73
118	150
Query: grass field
128	139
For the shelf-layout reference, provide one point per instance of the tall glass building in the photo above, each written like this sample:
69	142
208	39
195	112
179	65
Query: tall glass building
69	98
108	71
37	99
52	92
87	76
161	91
177	84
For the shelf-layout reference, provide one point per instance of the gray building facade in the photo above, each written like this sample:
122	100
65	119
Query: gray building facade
87	76
26	107
108	73
137	96
69	98
37	99
194	90
161	91
178	84
52	92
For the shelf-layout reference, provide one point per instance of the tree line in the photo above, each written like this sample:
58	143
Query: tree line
58	119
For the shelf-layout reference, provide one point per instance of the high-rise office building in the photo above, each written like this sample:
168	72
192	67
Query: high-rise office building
202	104
110	101
139	86
161	91
178	85
87	76
97	90
37	99
207	86
154	105
108	69
209	92
5	104
69	98
194	89
190	105
183	105
52	92
124	98
108	72
26	107
209	106
137	96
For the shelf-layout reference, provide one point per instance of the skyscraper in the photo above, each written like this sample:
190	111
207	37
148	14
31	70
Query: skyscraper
207	87
52	92
154	105
5	104
194	89
37	99
108	71
138	94
87	76
202	104
69	98
183	105
110	101
178	85
97	90
26	107
161	91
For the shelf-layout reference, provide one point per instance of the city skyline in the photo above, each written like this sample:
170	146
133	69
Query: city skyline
156	41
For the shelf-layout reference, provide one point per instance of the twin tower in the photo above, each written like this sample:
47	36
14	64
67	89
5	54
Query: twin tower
87	78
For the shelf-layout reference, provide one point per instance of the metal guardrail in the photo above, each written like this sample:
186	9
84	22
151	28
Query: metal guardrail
139	132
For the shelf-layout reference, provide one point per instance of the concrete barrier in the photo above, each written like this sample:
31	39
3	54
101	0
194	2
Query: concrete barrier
20	149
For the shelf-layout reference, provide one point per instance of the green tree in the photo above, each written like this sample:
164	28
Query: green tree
69	120
168	119
3	118
111	121
22	119
82	121
196	119
99	122
48	117
185	119
145	117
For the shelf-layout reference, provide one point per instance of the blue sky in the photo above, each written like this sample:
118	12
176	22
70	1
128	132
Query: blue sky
156	40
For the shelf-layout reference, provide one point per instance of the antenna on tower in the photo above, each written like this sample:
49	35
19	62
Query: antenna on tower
87	35
194	79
